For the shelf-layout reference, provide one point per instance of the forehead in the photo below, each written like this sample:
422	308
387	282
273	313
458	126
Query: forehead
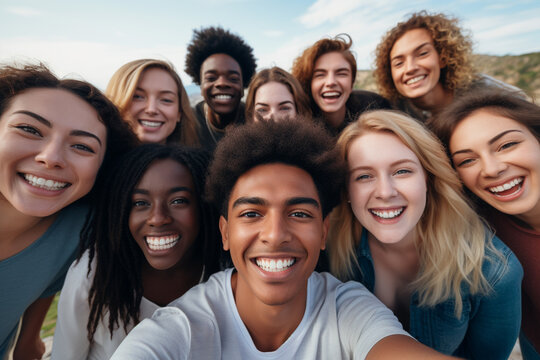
166	173
274	183
221	63
332	59
378	148
157	77
410	41
273	91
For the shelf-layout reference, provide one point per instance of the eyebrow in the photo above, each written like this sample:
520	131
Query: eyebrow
281	103
289	202
490	142
47	123
229	72
395	163
171	191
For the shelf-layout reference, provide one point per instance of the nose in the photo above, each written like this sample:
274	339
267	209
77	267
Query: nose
492	167
410	64
159	215
274	231
330	79
222	81
52	155
385	188
151	106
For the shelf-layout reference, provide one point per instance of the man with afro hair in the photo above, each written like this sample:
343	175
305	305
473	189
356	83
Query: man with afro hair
222	64
275	183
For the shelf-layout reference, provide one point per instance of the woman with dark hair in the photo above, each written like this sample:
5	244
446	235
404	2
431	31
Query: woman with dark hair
276	94
222	64
57	138
153	100
152	237
421	64
327	70
493	139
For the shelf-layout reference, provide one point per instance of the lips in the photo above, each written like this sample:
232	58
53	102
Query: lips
43	183
150	123
275	265
415	79
507	188
223	97
158	243
331	94
387	214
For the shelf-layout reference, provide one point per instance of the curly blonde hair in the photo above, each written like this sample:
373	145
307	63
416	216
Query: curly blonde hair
122	87
451	239
452	43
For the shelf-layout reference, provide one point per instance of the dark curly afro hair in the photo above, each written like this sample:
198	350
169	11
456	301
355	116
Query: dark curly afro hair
303	144
216	40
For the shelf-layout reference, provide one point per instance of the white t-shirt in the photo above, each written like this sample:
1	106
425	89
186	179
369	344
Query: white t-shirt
70	337
341	321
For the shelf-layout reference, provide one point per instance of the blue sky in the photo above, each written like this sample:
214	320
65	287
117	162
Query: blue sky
91	39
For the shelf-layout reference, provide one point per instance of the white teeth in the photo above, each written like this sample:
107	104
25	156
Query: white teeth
162	242
272	265
153	124
387	214
415	79
331	93
223	97
44	183
507	186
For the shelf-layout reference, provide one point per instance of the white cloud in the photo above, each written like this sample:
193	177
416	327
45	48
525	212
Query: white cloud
273	33
23	11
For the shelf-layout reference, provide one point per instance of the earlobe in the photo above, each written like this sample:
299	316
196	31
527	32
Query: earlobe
223	228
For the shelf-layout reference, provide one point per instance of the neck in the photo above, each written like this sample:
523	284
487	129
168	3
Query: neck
435	100
335	119
219	121
269	325
402	255
19	230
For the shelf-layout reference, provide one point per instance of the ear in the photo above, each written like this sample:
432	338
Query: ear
223	228
326	226
442	62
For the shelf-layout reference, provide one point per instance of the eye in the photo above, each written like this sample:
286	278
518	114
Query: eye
29	129
138	97
84	148
261	110
397	64
508	145
424	52
250	214
300	214
286	108
318	75
234	79
463	162
403	172
168	101
210	78
180	201
140	203
362	177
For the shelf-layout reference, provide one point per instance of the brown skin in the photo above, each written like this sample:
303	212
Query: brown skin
221	75
404	348
29	344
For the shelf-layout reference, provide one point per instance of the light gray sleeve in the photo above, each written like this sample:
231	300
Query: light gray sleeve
363	320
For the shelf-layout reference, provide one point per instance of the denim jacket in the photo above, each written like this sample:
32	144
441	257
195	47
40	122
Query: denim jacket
489	324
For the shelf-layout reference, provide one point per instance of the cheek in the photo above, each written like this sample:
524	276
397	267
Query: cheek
358	200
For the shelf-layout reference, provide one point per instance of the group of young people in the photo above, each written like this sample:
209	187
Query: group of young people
313	221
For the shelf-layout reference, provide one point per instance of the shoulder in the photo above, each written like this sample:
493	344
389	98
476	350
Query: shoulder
500	265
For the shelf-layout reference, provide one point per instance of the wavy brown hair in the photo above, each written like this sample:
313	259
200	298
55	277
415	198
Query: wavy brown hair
452	43
277	74
303	65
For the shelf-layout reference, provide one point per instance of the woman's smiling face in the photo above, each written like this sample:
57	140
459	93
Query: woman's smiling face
52	144
387	186
498	159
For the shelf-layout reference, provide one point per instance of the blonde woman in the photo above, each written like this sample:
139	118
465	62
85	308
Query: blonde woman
405	230
152	99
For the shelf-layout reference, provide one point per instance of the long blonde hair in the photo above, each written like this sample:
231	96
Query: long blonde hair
123	84
451	239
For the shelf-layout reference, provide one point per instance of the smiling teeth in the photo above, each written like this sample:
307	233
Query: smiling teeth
387	214
507	186
273	265
153	124
332	93
162	242
223	97
44	183
415	79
